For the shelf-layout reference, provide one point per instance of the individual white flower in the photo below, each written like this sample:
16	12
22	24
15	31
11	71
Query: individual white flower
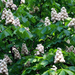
59	57
27	28
47	21
54	68
24	49
22	1
37	53
10	4
68	41
59	48
35	8
14	7
62	60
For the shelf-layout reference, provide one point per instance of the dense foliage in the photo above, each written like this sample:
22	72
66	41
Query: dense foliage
32	14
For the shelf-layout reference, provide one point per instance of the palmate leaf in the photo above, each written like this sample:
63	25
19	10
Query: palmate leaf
69	72
65	72
7	32
21	32
41	31
72	68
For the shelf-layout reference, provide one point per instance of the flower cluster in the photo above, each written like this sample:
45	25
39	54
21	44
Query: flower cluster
24	49
17	22
47	21
72	23
70	49
40	49
7	59
54	15
59	56
35	9
9	17
3	67
22	1
74	51
4	14
54	68
7	14
62	15
10	4
16	53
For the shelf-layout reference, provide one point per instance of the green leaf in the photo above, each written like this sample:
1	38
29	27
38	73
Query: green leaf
23	72
61	35
32	60
24	19
59	28
72	68
67	32
22	30
52	72
57	4
28	34
69	72
62	72
29	15
6	33
44	63
2	27
45	73
44	30
2	35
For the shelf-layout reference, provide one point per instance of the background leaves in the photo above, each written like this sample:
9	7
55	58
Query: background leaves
52	36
